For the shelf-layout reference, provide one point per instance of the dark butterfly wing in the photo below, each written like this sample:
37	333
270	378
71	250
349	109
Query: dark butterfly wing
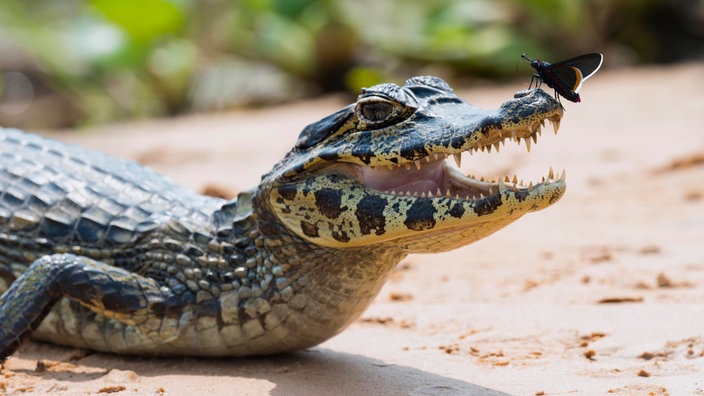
588	64
572	72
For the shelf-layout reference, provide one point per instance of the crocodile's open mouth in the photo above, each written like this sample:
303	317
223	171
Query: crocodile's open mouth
395	184
432	176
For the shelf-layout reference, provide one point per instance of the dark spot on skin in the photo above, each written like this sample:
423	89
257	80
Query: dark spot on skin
289	193
329	155
309	229
487	205
420	215
414	153
114	302
329	202
297	169
457	142
555	197
521	195
363	154
370	214
457	211
340	236
491	123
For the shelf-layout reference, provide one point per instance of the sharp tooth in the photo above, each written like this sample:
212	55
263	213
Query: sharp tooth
530	186
527	143
488	148
491	191
408	193
481	196
481	179
502	186
542	122
534	137
393	192
515	179
551	174
555	125
408	166
458	159
422	195
439	193
563	176
435	156
417	163
496	146
447	193
506	179
521	183
427	159
415	193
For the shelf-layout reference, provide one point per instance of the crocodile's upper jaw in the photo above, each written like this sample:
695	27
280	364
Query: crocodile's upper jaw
375	172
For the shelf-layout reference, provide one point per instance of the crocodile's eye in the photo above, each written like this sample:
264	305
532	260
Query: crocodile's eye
378	112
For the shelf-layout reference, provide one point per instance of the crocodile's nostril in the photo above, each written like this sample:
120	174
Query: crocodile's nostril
521	94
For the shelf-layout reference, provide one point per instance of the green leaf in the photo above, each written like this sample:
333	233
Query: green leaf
144	20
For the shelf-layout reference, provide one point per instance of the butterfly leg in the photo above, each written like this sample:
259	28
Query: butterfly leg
535	78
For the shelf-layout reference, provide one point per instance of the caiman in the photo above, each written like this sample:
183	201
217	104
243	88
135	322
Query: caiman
105	254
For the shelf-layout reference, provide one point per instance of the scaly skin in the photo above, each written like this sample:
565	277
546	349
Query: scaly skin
101	253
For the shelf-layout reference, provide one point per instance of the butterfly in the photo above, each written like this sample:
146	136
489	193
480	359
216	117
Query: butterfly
566	77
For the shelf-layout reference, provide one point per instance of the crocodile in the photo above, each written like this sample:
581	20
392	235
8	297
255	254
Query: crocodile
102	253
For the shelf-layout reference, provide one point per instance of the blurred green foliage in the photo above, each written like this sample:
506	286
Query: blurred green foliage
100	60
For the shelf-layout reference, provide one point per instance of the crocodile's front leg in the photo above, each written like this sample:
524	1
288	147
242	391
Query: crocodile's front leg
110	291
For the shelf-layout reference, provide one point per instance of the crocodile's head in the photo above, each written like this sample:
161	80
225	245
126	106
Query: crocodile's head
375	171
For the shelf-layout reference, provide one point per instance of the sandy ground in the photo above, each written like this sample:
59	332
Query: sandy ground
601	293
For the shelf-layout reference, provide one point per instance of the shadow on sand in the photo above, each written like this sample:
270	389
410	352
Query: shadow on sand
317	371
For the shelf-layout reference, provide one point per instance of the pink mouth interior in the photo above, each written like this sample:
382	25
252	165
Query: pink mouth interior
429	178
